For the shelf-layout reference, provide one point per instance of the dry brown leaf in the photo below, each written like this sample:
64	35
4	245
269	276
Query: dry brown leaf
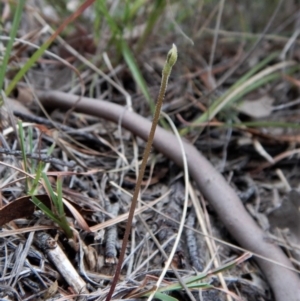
75	213
23	207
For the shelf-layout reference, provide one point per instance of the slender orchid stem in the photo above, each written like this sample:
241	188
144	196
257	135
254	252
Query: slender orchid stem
171	60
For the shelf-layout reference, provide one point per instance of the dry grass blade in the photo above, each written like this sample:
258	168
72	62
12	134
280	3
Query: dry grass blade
78	217
183	217
124	216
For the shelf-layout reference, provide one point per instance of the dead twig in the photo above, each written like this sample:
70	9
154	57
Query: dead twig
62	263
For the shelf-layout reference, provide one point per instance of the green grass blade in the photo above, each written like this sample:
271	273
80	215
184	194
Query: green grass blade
61	222
254	70
22	142
258	81
267	124
164	297
190	284
130	60
37	178
60	217
50	191
135	6
45	210
51	149
110	20
155	14
127	54
37	54
249	85
30	144
22	145
60	204
244	78
12	35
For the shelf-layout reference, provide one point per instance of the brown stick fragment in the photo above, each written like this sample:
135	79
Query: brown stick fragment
285	283
58	258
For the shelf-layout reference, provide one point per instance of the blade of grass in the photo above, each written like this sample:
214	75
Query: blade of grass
251	72
268	124
255	81
30	144
62	222
193	282
135	6
22	145
127	54
245	77
155	14
37	178
60	217
46	210
164	297
12	35
268	74
177	287
50	191
37	54
131	63
60	204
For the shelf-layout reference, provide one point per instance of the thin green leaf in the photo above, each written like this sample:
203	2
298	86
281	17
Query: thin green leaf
164	297
32	161
135	6
45	210
127	54
50	191
111	22
62	222
60	204
190	283
251	72
154	16
130	60
66	227
37	178
37	54
22	142
267	124
249	85
27	66
244	78
12	35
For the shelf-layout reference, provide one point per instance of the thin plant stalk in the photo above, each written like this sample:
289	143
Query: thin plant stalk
171	60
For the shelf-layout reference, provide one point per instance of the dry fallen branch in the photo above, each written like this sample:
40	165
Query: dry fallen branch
284	282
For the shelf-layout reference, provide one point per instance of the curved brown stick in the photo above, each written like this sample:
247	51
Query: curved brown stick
285	283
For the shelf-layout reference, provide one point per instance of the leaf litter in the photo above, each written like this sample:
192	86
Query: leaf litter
99	197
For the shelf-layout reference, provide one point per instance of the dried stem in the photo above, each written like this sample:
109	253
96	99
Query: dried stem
171	60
